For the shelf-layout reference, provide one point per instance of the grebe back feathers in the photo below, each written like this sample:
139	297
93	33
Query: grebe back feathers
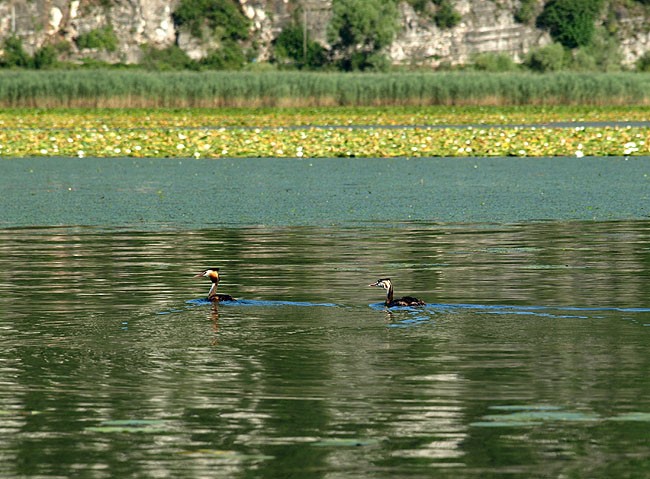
213	274
387	284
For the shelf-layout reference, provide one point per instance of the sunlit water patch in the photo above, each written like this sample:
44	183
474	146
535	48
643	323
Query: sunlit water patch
113	364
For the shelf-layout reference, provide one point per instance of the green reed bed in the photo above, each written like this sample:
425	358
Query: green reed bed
134	89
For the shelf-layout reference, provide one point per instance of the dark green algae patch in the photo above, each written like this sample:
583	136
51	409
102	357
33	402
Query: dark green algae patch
188	193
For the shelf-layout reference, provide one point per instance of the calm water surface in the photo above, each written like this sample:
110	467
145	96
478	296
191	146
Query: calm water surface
530	359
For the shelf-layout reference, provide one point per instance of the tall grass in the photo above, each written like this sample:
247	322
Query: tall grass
132	89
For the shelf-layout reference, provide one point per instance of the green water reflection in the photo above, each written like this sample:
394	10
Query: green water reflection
530	360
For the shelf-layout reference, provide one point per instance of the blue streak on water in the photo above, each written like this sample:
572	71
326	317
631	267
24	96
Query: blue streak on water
420	314
253	302
192	303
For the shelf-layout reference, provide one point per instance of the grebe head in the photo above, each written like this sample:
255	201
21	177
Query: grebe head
212	273
383	283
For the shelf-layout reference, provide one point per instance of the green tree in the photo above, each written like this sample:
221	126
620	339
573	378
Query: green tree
570	22
14	54
292	45
359	30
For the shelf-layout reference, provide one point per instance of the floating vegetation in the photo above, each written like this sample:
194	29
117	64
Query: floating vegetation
146	426
632	416
18	412
110	118
318	142
225	455
353	442
318	132
534	407
534	415
523	416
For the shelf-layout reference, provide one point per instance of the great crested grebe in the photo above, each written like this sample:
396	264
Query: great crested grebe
405	301
213	274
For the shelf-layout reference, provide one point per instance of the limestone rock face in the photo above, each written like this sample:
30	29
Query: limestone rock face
485	26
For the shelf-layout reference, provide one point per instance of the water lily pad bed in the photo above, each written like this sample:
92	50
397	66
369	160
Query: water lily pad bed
319	142
104	119
341	442
147	426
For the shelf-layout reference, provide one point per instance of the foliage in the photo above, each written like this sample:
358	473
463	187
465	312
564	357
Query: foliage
419	6
14	54
526	11
224	15
45	57
291	45
228	57
446	16
110	133
166	59
602	54
550	58
359	30
494	62
570	22
195	118
643	64
103	38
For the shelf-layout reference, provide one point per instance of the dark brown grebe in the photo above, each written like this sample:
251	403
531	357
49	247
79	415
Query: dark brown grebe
213	274
390	302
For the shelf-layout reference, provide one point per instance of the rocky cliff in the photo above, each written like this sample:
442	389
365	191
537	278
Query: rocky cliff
485	26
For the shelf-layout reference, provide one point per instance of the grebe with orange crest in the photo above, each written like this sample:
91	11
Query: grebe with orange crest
213	275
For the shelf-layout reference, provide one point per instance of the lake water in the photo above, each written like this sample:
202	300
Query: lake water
530	359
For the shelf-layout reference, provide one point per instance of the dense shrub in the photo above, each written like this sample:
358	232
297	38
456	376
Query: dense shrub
602	54
493	62
570	22
101	38
45	57
166	59
643	63
419	6
292	45
224	15
446	16
229	56
526	11
550	58
14	54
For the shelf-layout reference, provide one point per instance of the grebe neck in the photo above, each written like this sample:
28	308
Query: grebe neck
213	290
389	294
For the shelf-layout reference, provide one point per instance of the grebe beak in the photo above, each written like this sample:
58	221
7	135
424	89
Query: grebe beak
374	284
199	275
